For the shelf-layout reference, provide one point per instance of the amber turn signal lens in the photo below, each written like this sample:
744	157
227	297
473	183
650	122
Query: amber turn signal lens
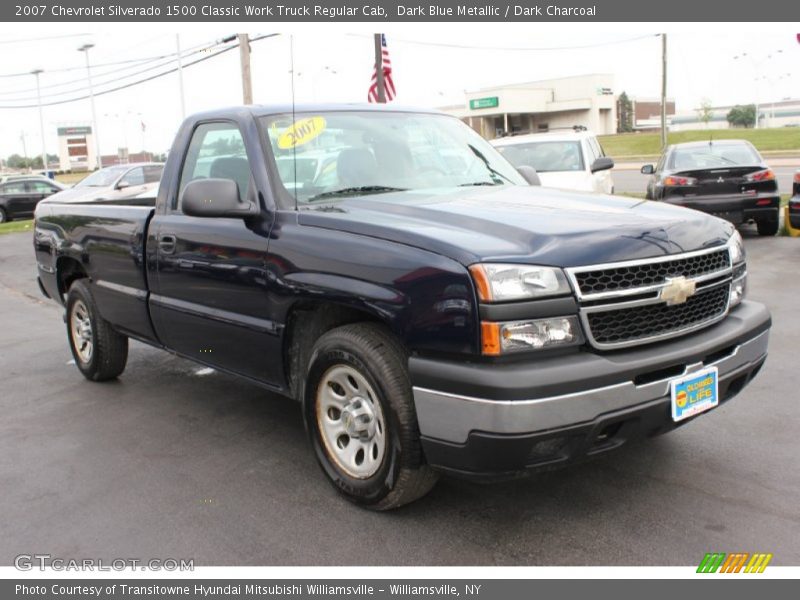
481	283
490	338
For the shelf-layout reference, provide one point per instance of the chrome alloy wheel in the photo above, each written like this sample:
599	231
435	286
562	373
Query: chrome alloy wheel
81	330
350	421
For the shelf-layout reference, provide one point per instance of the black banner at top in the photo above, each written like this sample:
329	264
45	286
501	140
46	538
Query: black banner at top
378	11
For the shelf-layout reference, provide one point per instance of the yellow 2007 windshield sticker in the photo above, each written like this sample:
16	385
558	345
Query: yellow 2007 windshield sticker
302	132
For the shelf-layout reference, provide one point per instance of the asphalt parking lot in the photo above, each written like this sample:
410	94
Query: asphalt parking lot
167	462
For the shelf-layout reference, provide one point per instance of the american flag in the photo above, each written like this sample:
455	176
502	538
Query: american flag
388	84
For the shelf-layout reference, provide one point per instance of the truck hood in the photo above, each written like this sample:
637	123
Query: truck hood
524	224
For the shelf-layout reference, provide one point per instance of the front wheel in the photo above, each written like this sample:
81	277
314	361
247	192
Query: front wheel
359	414
99	351
3	216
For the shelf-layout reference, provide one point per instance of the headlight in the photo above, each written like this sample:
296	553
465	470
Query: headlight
502	282
534	334
736	248
739	284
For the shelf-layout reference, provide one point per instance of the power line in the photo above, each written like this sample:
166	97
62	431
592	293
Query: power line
145	80
515	48
133	62
40	39
170	58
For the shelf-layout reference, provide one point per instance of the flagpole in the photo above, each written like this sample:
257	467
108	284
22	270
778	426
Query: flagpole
379	69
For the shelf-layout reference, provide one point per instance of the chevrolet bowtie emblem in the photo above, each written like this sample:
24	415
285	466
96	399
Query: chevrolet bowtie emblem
678	290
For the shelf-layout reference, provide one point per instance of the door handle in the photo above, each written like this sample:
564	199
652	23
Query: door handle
167	243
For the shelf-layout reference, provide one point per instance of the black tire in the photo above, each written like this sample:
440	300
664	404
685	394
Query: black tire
109	350
4	216
767	228
403	476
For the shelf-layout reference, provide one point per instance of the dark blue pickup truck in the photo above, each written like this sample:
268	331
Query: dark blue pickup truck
428	308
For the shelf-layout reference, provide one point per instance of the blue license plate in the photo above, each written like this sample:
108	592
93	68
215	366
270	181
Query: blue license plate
695	393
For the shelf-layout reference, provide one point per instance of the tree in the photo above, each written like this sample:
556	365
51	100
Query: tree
15	161
742	116
704	113
624	114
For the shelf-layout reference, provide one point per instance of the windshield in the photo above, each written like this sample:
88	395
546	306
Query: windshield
329	155
545	156
102	178
714	156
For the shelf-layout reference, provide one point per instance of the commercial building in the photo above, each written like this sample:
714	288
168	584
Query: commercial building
647	112
539	106
782	113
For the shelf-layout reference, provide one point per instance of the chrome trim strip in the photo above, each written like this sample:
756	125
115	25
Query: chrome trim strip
652	288
451	417
572	271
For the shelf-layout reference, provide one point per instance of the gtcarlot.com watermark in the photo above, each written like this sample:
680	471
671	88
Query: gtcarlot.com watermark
42	562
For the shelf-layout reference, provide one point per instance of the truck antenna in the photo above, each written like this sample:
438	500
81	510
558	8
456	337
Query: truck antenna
294	120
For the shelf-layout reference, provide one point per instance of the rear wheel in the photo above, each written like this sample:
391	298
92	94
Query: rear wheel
767	227
359	413
99	351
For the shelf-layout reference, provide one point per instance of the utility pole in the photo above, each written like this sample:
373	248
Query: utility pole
663	90
85	49
37	72
379	68
244	54
24	145
180	75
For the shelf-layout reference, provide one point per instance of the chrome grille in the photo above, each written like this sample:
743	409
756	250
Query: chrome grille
650	273
641	322
621	305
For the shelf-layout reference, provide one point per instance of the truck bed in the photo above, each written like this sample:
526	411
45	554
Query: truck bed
107	239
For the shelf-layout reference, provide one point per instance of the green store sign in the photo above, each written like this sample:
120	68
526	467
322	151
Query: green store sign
491	102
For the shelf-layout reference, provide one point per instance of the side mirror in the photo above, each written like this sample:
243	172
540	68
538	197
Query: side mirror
529	174
122	185
214	198
604	163
648	170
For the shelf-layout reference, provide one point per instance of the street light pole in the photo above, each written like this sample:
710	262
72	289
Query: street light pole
180	74
85	49
37	72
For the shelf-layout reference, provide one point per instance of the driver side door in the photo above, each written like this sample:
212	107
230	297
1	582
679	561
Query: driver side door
209	298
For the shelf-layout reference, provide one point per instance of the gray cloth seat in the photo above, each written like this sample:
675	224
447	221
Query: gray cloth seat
356	167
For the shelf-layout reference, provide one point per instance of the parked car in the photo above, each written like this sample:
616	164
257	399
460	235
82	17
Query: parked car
428	316
11	176
793	208
727	178
19	196
571	159
119	182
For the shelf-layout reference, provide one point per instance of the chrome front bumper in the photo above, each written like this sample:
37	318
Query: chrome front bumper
451	417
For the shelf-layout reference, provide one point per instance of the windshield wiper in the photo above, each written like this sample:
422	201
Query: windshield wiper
489	167
476	183
354	191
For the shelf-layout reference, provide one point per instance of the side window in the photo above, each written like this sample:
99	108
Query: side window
134	176
216	151
40	187
152	174
598	147
16	187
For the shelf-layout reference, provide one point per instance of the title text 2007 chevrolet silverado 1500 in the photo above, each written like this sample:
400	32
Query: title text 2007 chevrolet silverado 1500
429	309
